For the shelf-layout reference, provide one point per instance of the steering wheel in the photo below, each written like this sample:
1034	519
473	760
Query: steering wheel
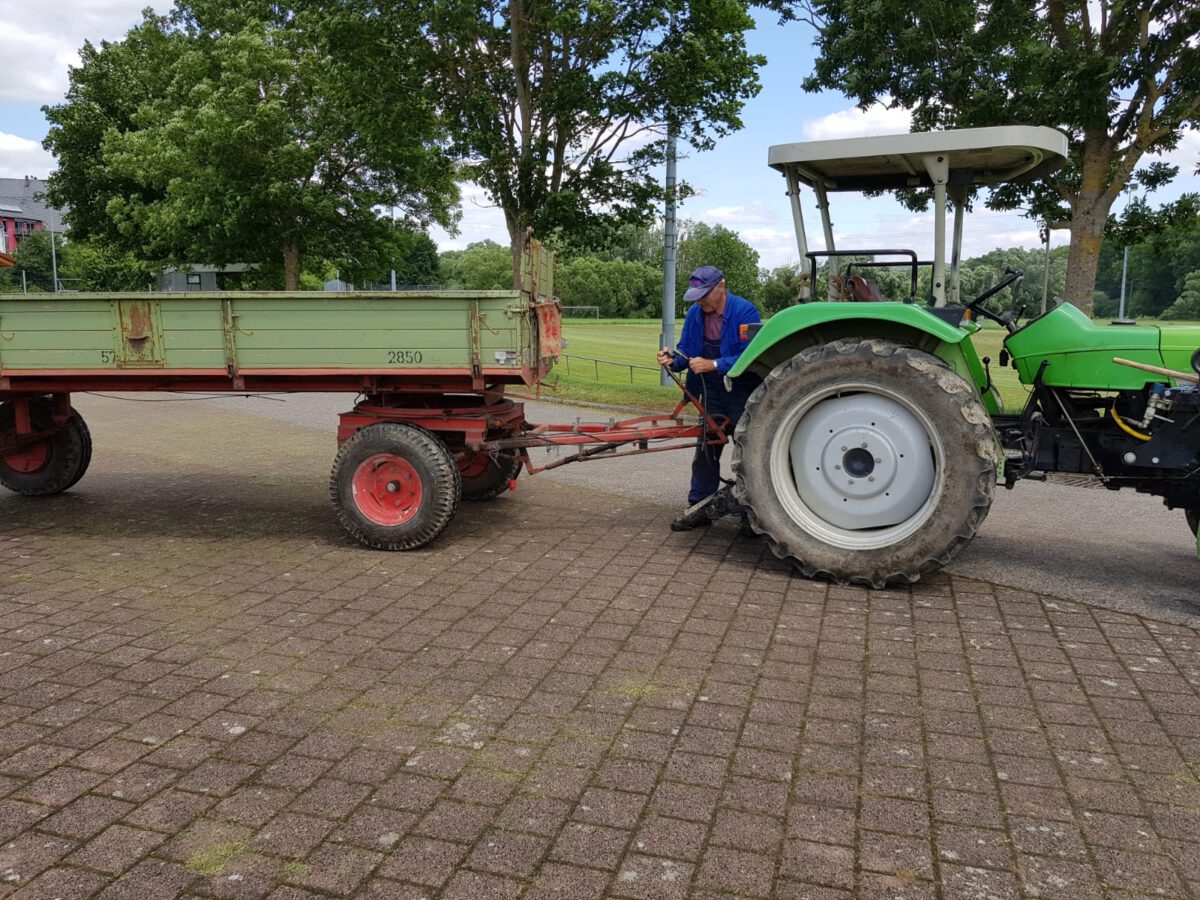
977	305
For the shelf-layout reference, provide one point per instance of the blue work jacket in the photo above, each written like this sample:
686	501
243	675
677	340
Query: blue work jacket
738	312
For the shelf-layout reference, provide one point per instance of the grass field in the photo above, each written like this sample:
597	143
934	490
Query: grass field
600	353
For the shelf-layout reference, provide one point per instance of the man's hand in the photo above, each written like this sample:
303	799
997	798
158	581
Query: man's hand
700	365
665	357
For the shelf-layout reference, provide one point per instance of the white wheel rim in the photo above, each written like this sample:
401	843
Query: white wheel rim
858	466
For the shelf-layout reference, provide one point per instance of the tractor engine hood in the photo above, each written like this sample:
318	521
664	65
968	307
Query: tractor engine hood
1080	352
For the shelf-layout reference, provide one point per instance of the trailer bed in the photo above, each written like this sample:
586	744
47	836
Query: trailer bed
304	341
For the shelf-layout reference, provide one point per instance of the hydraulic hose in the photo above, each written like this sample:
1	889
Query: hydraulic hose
1125	428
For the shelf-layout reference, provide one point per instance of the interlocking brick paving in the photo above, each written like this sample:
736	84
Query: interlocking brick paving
207	691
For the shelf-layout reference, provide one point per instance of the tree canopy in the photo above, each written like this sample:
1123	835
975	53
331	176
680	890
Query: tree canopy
559	107
1187	306
1161	256
253	132
1121	79
715	245
82	266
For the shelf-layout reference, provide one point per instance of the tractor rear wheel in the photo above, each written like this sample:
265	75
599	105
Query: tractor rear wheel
1193	519
485	477
51	465
865	461
394	486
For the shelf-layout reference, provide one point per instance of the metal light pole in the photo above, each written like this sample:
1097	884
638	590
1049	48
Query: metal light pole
669	235
1046	272
393	258
1124	272
53	260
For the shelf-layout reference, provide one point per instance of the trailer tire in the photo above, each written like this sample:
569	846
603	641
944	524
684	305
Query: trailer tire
1193	519
896	500
53	465
486	477
85	437
394	486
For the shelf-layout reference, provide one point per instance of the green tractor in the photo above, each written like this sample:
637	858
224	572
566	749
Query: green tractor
871	451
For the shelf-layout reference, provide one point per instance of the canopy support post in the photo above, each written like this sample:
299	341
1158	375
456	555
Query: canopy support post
938	167
793	191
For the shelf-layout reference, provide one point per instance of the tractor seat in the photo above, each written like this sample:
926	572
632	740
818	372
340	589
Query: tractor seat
864	291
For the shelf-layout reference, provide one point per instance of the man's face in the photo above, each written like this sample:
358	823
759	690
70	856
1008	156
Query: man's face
714	300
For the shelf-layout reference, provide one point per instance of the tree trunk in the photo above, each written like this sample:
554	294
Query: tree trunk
291	267
1083	260
1089	215
516	243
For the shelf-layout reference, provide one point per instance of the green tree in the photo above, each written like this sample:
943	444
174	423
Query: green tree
1121	79
97	265
1188	304
482	266
1164	246
633	242
253	132
716	245
780	287
559	107
621	289
33	257
419	264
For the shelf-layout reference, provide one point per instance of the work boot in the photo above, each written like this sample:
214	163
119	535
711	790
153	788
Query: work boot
688	521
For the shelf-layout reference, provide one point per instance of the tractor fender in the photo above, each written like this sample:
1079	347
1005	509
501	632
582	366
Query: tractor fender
796	328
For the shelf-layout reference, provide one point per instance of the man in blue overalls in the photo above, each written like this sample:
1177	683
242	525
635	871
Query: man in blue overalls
713	337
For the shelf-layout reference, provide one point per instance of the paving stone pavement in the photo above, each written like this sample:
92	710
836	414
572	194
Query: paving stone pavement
207	691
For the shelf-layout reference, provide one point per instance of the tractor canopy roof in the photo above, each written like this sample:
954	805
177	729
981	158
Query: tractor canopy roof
976	156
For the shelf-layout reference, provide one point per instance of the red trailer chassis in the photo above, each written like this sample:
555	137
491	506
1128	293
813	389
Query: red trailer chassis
408	451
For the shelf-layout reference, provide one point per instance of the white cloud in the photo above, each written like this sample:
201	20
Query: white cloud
20	157
1186	154
983	230
41	40
855	122
481	220
881	222
753	213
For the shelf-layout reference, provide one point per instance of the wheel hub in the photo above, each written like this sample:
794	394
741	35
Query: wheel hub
28	459
858	462
861	461
387	489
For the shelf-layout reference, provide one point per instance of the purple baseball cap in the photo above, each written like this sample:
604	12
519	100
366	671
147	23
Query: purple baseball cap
703	280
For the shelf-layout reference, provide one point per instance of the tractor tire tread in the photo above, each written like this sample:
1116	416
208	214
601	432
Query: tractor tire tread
940	376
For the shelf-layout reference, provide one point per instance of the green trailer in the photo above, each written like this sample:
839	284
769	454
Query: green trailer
375	342
433	425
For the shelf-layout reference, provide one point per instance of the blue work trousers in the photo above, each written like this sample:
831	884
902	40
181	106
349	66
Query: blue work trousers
710	388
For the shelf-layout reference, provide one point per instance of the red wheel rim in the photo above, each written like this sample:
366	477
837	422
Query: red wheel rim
29	459
387	489
474	464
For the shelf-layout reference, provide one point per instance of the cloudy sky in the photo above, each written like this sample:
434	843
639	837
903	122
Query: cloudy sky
735	187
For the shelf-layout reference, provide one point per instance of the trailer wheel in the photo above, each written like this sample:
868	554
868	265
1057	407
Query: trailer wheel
50	466
1193	519
865	461
395	487
486	477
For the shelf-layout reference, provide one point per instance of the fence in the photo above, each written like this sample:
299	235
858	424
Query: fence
584	364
